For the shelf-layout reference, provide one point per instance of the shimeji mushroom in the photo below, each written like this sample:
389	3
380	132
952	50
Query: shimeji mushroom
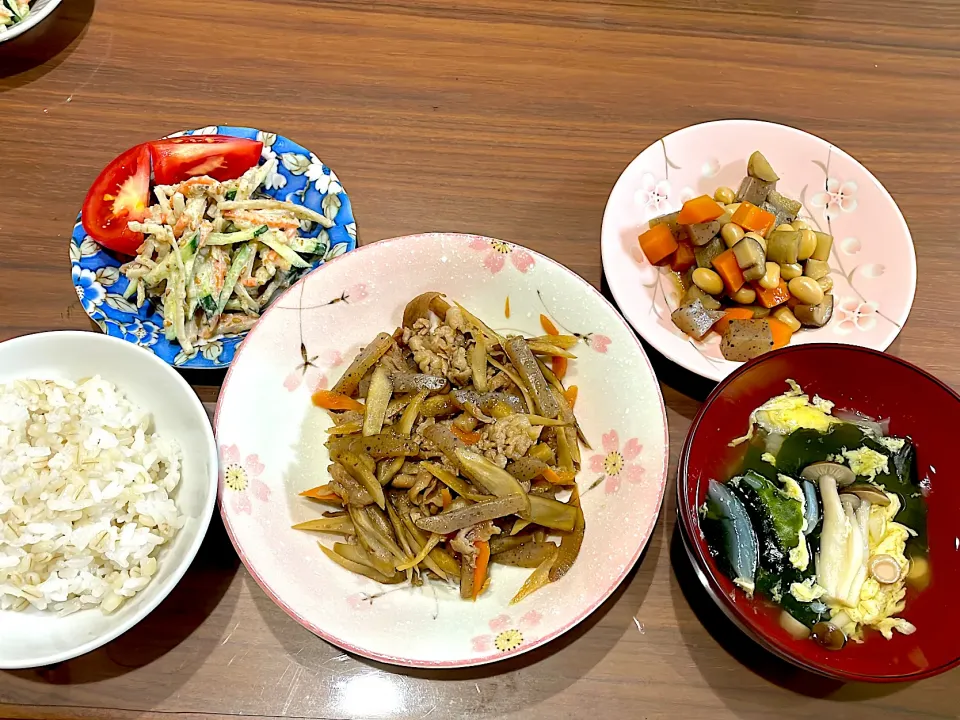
837	529
829	636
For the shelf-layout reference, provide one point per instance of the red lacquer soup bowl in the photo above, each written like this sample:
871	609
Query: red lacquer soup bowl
878	385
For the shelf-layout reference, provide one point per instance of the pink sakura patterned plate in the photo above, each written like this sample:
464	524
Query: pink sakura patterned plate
271	443
873	263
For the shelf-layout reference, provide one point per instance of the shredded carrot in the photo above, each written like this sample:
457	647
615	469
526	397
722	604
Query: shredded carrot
329	400
781	333
199	180
256	217
547	324
732	314
480	569
571	395
181	225
683	258
322	493
772	298
699	210
559	367
506	308
657	243
750	217
729	270
465	436
446	498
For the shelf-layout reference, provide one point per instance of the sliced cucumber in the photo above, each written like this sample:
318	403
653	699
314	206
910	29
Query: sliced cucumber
240	259
232	238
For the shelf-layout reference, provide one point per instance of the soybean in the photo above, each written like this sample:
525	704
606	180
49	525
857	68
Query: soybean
786	316
800	225
789	271
724	195
786	226
731	234
708	281
745	295
808	243
806	290
826	283
771	278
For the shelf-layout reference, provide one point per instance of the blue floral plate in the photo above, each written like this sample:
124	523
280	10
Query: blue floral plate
300	178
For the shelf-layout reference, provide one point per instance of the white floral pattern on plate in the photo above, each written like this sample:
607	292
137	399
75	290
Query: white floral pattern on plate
840	196
305	341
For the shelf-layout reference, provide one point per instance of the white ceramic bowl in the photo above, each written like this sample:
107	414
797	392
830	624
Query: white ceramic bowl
39	11
272	447
873	263
34	638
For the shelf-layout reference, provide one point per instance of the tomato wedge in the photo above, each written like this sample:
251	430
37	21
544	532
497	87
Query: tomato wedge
119	194
220	156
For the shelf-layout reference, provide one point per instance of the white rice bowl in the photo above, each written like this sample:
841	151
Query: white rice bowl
121	530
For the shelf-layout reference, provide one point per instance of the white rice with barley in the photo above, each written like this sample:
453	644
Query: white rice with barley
85	496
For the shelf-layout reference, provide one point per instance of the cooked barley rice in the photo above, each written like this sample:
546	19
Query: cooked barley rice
85	496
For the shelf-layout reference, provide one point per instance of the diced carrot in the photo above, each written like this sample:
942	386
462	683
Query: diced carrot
547	324
480	569
657	243
506	308
446	498
729	270
772	298
683	258
571	395
732	314
465	436
699	210
323	493
559	367
330	400
781	333
752	218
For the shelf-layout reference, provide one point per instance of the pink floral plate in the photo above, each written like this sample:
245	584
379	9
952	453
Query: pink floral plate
873	263
272	447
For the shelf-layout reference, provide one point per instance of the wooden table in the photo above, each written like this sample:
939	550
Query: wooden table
511	118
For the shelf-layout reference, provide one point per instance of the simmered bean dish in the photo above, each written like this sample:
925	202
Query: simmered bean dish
750	269
450	448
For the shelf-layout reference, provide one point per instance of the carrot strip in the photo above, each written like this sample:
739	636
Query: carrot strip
729	270
329	400
480	569
781	333
506	308
322	493
446	498
559	367
699	210
558	477
465	436
657	243
772	298
547	324
571	395
732	314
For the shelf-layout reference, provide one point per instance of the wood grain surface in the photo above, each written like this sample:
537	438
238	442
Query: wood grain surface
511	118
